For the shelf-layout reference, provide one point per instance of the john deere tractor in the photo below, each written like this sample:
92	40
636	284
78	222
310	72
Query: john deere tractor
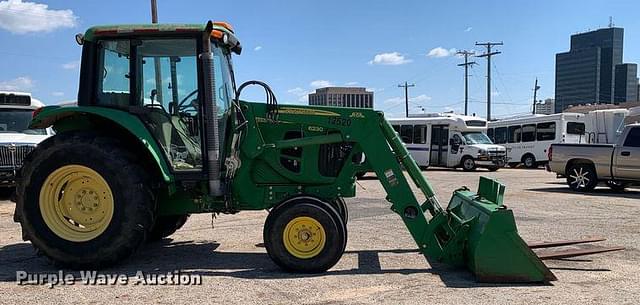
160	132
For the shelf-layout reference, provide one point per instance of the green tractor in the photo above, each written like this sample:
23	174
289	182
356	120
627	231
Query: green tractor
160	132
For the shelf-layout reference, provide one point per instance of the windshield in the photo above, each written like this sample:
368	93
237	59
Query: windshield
17	121
476	138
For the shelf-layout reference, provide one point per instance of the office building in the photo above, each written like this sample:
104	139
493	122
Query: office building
626	83
342	97
546	107
587	73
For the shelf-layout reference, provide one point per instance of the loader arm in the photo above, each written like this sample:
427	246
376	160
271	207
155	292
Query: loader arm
475	231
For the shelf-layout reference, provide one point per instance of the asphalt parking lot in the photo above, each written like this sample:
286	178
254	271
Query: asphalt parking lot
379	265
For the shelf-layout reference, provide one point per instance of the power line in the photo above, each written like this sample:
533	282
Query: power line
466	65
406	97
488	55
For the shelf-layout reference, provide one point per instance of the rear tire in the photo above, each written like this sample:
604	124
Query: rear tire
75	205
529	161
165	226
305	235
581	177
468	164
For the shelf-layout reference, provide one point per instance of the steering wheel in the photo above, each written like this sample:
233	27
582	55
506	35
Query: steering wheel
183	105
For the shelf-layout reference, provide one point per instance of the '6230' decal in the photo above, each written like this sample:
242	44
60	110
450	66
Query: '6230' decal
339	121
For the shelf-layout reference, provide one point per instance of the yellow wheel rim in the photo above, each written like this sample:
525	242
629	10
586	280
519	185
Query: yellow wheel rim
304	237
76	203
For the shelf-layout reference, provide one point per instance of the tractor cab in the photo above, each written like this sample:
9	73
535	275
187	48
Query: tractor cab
174	78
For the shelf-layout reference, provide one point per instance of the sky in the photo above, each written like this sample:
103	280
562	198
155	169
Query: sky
297	46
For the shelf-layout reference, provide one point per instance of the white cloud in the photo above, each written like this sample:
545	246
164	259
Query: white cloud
72	65
57	93
299	93
392	59
420	98
321	83
441	52
20	17
394	101
469	29
351	83
258	48
22	83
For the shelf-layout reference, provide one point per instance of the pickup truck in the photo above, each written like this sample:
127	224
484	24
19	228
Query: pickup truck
586	165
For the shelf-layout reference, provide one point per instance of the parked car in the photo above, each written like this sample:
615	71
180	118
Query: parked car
16	138
586	165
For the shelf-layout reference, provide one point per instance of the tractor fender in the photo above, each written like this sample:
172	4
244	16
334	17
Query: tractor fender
73	118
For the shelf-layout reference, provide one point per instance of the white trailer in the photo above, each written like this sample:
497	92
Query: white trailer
449	140
528	138
601	126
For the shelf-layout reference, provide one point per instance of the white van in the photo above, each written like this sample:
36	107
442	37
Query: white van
449	140
528	138
16	139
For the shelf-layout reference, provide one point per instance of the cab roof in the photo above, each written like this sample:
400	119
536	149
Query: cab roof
157	29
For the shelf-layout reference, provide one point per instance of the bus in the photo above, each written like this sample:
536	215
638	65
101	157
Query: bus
449	140
528	138
16	138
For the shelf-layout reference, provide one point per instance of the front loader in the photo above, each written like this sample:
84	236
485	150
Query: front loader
160	132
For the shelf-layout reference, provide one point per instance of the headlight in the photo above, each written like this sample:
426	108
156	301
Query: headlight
482	152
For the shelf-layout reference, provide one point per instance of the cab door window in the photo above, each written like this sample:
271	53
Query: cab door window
168	84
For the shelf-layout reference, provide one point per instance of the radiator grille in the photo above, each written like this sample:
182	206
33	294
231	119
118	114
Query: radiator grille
12	155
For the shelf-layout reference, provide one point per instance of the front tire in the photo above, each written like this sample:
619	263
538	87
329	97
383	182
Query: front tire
305	235
468	164
582	177
75	205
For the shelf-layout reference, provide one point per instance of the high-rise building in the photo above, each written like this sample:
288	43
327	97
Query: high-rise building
626	85
546	107
586	74
342	97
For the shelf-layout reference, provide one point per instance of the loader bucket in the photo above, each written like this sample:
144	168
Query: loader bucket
494	251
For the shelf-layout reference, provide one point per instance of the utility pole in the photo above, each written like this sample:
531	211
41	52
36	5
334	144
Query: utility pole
406	97
466	66
156	61
535	95
488	56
